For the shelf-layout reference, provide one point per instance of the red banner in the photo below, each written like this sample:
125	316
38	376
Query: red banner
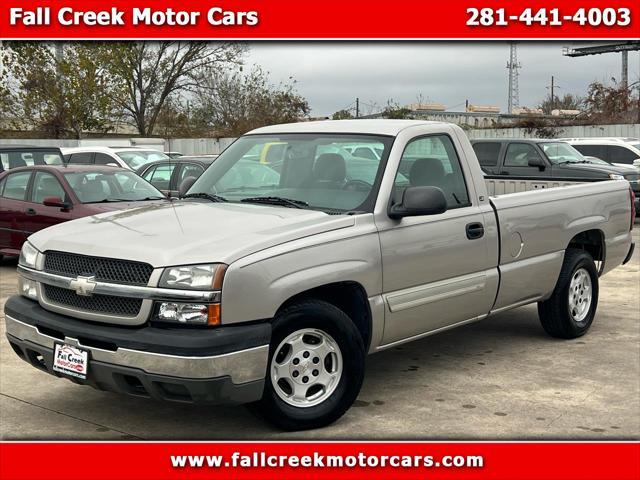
329	19
334	461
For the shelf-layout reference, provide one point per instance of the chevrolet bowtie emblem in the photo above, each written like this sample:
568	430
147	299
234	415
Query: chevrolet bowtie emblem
83	285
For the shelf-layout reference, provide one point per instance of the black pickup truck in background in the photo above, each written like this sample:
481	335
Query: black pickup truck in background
544	159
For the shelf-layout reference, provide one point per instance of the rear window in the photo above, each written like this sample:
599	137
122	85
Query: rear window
27	158
487	153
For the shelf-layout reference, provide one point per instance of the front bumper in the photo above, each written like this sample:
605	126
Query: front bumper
220	365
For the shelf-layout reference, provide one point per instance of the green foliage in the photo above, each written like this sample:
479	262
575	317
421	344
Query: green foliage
63	94
395	111
342	115
566	102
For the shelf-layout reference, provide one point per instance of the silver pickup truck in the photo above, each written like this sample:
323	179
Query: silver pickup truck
274	275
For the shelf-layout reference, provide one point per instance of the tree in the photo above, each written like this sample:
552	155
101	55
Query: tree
151	73
233	102
566	102
611	103
342	115
61	92
395	111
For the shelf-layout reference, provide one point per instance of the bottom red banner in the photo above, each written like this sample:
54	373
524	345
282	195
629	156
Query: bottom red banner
330	460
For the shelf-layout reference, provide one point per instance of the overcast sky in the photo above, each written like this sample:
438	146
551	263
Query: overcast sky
332	75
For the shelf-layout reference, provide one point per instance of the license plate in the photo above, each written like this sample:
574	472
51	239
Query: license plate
71	361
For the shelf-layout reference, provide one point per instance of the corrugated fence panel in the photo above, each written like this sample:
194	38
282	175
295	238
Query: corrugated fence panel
202	146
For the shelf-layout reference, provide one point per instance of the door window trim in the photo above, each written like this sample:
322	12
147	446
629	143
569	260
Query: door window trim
469	203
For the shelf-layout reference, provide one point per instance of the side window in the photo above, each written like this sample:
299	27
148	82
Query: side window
189	170
519	154
487	153
161	176
104	159
433	161
4	162
621	155
46	185
597	151
81	157
15	186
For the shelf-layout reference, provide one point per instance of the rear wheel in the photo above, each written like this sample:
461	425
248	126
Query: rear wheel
316	366
570	310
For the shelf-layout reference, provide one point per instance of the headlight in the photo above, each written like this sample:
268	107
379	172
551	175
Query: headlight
194	277
615	176
188	313
28	255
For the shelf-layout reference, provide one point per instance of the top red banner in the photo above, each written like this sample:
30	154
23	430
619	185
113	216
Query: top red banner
326	19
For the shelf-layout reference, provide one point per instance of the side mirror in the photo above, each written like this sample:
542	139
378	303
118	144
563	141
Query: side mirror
636	163
418	201
537	162
184	187
55	202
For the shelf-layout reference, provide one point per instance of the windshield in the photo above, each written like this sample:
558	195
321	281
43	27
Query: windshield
558	152
311	169
119	186
27	158
136	158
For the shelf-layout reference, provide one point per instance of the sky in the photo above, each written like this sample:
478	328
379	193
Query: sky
332	75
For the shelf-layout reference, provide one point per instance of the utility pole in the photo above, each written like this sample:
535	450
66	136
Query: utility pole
625	69
357	107
552	93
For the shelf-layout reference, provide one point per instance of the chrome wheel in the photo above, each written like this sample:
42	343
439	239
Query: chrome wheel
580	295
306	367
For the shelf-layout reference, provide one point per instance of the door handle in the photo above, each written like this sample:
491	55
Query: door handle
30	211
475	230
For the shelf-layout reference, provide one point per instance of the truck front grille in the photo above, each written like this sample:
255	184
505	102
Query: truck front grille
108	270
120	306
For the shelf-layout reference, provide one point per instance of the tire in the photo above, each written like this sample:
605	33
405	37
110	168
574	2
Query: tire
322	404
568	313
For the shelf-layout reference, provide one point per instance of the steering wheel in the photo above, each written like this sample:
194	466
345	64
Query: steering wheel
357	186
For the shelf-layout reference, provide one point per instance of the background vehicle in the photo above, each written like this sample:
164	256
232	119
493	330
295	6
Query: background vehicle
618	151
273	288
167	175
14	156
33	198
125	157
544	163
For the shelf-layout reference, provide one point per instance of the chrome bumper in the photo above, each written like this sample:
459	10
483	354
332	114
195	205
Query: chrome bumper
241	366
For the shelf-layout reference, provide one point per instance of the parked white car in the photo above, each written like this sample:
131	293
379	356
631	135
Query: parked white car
619	151
125	157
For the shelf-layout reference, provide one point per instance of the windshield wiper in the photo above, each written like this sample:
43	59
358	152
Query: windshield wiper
206	196
281	201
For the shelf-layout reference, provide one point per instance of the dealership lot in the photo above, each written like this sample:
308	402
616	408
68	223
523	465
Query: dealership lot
498	379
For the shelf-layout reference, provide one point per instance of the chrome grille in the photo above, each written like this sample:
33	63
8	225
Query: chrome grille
103	269
119	306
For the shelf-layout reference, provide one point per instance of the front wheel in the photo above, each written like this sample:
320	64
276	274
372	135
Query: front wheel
316	366
570	310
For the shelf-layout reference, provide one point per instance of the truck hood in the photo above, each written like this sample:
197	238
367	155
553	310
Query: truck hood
186	232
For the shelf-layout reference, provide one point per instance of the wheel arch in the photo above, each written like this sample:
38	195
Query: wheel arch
349	296
591	241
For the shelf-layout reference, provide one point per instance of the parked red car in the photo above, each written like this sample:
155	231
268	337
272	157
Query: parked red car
36	197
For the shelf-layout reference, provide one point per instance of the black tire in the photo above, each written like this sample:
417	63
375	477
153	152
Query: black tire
554	313
330	319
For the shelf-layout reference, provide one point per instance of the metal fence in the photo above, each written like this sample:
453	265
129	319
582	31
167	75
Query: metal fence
200	146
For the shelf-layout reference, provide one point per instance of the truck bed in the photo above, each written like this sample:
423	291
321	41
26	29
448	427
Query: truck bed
536	227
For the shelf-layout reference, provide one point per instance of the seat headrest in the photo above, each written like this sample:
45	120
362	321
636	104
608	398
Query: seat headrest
330	167
426	172
91	191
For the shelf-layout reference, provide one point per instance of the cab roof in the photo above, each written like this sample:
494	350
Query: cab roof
364	126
